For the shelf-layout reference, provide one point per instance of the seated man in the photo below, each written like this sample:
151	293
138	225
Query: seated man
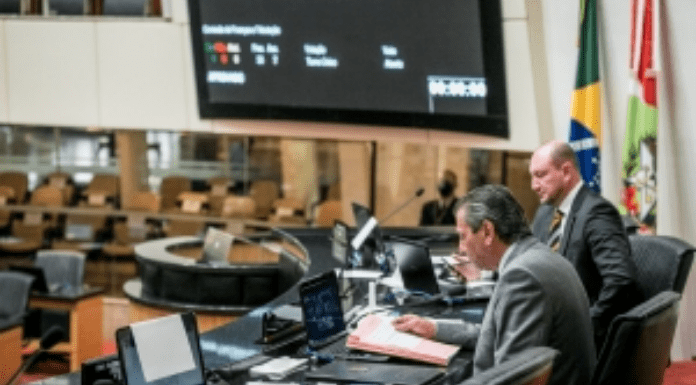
439	212
538	300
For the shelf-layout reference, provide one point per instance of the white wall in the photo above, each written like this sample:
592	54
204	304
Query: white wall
137	73
677	116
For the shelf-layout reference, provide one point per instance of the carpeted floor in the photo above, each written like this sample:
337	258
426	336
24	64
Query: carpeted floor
681	373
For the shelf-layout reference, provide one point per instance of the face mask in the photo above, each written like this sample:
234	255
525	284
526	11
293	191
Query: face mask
445	188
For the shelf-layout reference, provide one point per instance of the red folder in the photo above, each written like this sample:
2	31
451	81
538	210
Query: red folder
376	334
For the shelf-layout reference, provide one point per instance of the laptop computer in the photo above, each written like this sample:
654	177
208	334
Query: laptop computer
416	267
162	351
216	247
39	284
323	319
79	232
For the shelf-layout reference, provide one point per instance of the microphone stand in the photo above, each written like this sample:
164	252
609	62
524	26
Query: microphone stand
48	340
418	193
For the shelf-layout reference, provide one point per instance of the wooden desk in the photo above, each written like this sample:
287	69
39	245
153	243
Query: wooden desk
85	310
10	351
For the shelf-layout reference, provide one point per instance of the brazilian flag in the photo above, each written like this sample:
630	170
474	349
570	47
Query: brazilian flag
585	120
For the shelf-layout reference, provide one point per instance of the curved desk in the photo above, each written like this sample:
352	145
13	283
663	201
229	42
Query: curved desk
171	280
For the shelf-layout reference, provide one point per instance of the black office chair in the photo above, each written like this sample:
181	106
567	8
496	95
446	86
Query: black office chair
662	262
14	295
63	269
637	347
532	366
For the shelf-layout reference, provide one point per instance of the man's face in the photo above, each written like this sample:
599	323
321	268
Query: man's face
547	179
472	244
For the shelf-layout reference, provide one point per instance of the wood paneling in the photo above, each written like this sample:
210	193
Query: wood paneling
10	352
205	321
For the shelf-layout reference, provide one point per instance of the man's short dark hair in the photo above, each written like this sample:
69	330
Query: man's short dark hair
496	204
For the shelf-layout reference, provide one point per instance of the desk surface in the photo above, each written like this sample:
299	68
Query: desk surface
236	341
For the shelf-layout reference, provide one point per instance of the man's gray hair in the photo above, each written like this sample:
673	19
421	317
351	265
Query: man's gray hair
496	204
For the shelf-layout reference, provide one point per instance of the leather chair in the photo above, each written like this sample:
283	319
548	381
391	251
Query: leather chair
190	203
14	295
62	181
662	262
636	350
328	212
531	367
218	188
62	268
288	211
14	291
264	193
19	183
33	229
170	189
238	207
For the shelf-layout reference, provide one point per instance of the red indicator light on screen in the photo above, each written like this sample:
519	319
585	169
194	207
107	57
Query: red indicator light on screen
224	59
220	47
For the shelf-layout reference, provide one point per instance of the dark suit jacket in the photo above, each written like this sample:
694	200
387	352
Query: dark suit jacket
433	215
595	242
538	301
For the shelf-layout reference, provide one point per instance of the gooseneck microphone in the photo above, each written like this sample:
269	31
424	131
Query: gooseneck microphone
49	339
418	193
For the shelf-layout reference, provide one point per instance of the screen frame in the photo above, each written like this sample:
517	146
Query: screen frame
494	123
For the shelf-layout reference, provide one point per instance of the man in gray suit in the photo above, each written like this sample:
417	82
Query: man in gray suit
538	299
588	232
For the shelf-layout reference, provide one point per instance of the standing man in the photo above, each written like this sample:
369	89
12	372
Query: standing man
538	299
587	230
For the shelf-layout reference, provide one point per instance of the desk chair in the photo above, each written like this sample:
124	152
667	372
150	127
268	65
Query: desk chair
328	212
190	203
170	189
531	367
218	189
7	195
264	193
14	292
13	186
106	185
131	230
636	350
288	210
31	231
63	182
235	206
662	262
62	268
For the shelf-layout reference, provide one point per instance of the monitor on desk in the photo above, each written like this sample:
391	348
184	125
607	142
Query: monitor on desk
79	232
322	311
416	267
162	351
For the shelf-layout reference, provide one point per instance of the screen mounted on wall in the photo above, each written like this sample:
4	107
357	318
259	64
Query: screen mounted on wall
413	63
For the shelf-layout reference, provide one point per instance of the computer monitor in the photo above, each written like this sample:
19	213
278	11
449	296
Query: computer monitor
161	351
216	247
79	232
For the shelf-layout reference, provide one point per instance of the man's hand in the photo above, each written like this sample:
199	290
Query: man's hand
414	324
465	269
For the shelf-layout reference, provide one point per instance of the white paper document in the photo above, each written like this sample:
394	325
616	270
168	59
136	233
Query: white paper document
163	347
386	334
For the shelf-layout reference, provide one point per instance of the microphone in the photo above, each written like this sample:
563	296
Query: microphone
418	193
48	340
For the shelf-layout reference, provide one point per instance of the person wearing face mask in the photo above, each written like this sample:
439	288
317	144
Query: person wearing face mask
440	212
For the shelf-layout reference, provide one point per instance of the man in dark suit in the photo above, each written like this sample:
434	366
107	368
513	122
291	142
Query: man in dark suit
587	230
538	299
440	212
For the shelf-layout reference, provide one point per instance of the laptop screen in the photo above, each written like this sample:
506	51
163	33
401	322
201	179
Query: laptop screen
322	312
216	246
413	259
162	351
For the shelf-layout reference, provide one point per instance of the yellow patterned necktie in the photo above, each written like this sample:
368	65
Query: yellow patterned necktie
555	230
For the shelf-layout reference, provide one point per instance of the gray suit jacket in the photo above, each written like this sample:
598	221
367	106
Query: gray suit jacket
595	243
538	301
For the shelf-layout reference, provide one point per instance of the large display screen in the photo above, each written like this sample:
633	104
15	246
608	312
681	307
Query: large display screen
434	63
